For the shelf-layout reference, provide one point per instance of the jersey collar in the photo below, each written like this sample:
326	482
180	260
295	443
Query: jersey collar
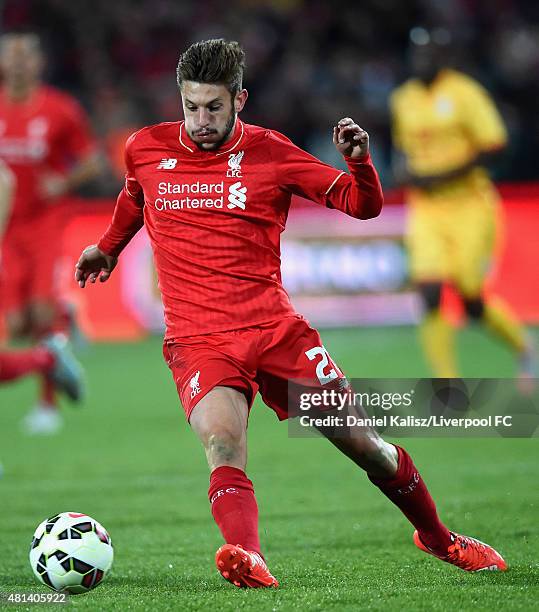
233	143
442	76
30	103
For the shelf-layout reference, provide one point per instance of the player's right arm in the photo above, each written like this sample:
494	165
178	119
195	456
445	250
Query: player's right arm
99	260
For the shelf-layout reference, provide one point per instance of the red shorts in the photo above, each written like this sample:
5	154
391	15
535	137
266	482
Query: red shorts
30	264
263	358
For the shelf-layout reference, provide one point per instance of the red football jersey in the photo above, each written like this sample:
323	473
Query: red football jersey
215	218
45	133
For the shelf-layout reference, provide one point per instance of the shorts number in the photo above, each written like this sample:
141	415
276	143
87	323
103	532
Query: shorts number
323	377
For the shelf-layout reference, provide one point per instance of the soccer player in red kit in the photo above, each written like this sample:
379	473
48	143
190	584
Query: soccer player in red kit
46	143
214	194
51	360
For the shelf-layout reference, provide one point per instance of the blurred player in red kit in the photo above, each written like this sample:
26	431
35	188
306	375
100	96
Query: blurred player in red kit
51	359
46	143
214	193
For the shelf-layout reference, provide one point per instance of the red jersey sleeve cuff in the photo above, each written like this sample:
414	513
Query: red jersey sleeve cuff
106	247
352	161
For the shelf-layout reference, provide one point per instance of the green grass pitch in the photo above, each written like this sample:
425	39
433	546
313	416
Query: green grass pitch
128	459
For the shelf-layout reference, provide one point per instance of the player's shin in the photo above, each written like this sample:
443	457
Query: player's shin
407	490
501	322
234	507
437	338
42	319
47	396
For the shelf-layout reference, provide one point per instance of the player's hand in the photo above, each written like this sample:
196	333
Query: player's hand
53	186
350	139
94	264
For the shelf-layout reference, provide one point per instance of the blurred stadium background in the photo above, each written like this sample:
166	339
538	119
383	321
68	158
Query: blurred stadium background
128	459
309	62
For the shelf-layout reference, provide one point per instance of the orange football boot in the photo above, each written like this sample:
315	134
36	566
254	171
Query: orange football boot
243	568
467	553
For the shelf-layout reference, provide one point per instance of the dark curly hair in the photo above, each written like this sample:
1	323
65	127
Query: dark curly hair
213	61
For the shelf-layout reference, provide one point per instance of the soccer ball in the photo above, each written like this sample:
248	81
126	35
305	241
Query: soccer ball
71	552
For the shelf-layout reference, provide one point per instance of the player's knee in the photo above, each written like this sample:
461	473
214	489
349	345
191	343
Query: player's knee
431	295
42	316
18	325
474	308
224	447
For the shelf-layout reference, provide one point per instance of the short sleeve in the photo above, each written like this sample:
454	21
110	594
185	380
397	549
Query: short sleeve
300	173
481	117
78	138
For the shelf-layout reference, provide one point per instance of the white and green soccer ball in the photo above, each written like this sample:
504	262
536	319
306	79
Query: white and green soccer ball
71	552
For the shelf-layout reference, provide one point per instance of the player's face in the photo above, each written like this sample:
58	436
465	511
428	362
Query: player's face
210	113
426	61
20	59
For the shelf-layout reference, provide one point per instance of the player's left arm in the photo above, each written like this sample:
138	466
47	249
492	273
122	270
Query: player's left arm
7	182
79	144
358	194
56	185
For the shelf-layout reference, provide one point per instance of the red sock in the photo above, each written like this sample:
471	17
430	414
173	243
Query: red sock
410	494
14	364
48	393
234	508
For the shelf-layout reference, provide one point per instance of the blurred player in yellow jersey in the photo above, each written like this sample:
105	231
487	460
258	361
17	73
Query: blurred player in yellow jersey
445	130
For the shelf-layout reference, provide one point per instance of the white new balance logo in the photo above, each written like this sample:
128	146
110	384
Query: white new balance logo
237	196
167	163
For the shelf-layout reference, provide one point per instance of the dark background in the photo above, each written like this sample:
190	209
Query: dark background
309	63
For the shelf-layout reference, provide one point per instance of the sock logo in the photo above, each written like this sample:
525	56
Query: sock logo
222	492
411	487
